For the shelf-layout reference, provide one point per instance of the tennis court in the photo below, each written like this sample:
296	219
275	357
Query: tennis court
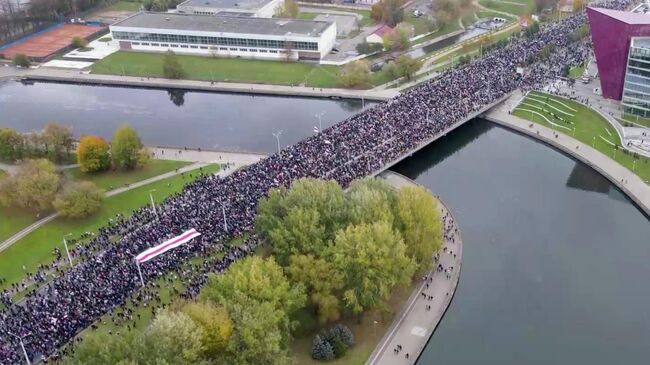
44	45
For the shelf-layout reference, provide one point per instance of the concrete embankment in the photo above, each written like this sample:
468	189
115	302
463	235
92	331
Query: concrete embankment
57	75
415	323
631	184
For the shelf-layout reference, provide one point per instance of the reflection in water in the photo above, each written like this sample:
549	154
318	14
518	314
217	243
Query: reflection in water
177	96
551	274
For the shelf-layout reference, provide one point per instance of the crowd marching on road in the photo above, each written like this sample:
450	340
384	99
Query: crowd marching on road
105	276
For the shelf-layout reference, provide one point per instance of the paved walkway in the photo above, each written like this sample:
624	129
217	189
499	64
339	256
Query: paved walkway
194	155
415	324
61	75
632	185
29	229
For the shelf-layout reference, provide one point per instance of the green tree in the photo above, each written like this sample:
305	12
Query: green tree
104	348
388	11
216	325
406	66
355	74
368	48
79	42
420	224
397	39
126	146
93	154
289	9
322	284
172	68
60	141
370	200
175	338
79	200
20	59
33	187
11	145
373	260
303	219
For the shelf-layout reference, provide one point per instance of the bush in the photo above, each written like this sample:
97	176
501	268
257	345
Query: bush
79	200
93	154
344	333
79	42
338	346
105	39
368	48
172	68
321	349
21	60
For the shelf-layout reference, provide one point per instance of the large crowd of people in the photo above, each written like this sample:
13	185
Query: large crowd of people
105	276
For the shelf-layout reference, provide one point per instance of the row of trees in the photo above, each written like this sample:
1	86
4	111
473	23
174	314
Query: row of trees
38	187
357	73
55	142
448	11
390	12
126	151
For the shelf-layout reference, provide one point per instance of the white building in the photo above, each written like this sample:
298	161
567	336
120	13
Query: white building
226	36
252	8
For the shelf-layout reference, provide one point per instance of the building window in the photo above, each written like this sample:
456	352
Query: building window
204	47
164	45
183	45
174	45
135	43
155	44
144	44
194	46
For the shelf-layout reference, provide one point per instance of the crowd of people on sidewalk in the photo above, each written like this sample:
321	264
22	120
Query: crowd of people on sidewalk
105	275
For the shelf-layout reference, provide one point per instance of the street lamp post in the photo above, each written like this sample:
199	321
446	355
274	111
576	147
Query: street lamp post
320	121
593	144
277	137
22	345
153	205
225	222
633	165
67	252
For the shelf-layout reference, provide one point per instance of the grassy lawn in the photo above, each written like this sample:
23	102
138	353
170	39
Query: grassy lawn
419	23
590	127
486	14
221	69
508	7
636	119
307	15
448	28
110	180
228	69
366	333
468	18
12	220
577	71
124	6
36	247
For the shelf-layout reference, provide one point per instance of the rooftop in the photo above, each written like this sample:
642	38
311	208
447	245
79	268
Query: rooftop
227	4
225	24
625	16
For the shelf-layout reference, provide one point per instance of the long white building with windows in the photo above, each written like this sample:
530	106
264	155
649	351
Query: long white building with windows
226	36
252	8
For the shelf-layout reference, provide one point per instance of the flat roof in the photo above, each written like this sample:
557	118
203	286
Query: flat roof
225	24
227	4
625	16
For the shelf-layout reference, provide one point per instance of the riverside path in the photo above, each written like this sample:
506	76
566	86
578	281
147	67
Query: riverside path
422	312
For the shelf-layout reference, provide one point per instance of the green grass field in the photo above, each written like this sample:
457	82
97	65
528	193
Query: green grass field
420	24
307	15
227	69
576	72
36	247
132	6
510	7
590	127
486	14
636	119
109	180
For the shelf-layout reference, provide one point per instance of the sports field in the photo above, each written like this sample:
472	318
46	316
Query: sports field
582	123
48	43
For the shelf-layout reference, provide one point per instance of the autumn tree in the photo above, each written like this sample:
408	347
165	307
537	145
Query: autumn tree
355	74
11	145
79	42
397	39
388	11
175	338
33	186
79	200
216	325
419	221
289	9
406	66
93	154
20	59
60	141
322	283
126	147
373	260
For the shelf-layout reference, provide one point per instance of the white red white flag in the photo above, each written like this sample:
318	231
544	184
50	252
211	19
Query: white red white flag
152	252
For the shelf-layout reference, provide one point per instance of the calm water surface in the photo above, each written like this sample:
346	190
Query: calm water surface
556	260
172	118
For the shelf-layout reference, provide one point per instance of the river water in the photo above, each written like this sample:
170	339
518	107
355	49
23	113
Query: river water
556	260
171	118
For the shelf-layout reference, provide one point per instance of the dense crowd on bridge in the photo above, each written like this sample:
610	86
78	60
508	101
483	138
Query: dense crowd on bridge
105	276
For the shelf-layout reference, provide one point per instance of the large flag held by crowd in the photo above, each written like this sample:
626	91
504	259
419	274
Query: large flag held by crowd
171	243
